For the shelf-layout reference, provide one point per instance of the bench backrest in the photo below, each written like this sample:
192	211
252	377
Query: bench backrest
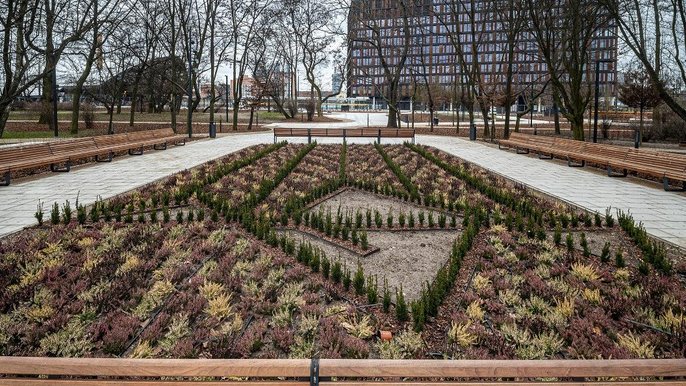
72	147
14	153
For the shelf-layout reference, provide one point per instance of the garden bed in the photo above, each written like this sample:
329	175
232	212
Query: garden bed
209	263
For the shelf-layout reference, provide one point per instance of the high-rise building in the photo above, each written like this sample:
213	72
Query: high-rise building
440	32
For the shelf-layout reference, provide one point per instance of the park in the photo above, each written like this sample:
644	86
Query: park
381	205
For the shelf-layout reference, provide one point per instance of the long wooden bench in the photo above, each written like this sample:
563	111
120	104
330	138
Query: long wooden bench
618	160
344	133
348	372
60	155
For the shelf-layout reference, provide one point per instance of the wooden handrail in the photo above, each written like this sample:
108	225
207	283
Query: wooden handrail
341	368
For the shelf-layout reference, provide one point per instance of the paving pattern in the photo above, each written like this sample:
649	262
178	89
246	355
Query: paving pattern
662	213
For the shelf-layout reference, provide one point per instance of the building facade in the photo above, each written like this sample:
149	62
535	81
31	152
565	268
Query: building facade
441	33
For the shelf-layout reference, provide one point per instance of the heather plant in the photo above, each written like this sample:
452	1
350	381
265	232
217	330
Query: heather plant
358	219
141	217
190	217
410	220
355	238
431	219
201	214
389	219
460	334
418	315
153	215
346	233
179	217
420	217
453	222
117	212
557	236
368	216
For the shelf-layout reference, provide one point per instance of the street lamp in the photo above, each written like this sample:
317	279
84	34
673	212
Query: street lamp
190	87
597	91
54	96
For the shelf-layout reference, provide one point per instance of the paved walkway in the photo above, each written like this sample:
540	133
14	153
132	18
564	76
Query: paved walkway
662	213
18	201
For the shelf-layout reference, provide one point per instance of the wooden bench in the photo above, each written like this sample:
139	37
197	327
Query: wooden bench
618	160
348	372
344	133
60	155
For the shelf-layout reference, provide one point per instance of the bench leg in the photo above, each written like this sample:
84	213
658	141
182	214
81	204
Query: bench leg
182	143
108	159
6	179
611	173
573	164
519	151
138	152
55	168
501	147
665	184
541	156
161	147
275	139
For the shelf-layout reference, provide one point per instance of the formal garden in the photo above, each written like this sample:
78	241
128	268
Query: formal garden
338	251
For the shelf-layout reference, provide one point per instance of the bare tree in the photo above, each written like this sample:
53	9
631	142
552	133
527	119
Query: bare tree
646	27
639	92
19	61
390	43
564	33
247	18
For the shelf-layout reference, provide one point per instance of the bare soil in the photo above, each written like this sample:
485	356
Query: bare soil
352	200
407	258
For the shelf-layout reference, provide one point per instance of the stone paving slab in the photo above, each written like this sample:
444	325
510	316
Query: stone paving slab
18	202
662	213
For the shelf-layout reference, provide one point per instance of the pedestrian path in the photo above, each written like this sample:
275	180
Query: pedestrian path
662	213
18	202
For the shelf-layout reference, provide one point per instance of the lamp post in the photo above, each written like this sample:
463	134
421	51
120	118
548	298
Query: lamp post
54	97
226	92
597	91
190	88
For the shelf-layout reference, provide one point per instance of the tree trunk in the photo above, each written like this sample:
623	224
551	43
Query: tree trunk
46	99
4	116
236	106
110	127
577	122
252	114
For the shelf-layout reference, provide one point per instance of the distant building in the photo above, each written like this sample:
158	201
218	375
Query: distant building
433	55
